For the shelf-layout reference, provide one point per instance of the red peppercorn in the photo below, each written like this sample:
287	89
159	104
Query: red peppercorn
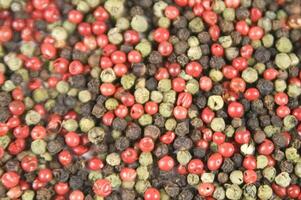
65	158
293	191
6	34
198	10
136	111
120	69
266	148
102	40
76	67
16	107
242	136
240	63
255	14
181	169
207	115
128	174
118	57
194	69
235	110
249	162
121	111
38	132
99	27
195	166
242	27
10	179
184	99
206	189
95	163
178	84
270	74
72	139
215	161
232	3
174	69
162	73
45	175
281	98
168	137
146	144
283	111
129	155
238	85
3	129
250	176
256	33
61	65
217	50
40	4
102	187
279	191
205	83
229	72
252	94
161	35
16	146
134	56
127	99
180	112
218	138
210	17
107	89
75	16
48	51
101	14
20	132
171	12
181	3
61	188
214	32
246	51
151	107
151	194
132	37
29	163
76	195
166	163
84	29
296	112
226	149
165	48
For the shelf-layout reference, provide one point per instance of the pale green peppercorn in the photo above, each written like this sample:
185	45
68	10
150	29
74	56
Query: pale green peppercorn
249	192
229	131
231	53
193	179
185	76
229	14
268	40
250	75
28	48
216	75
94	3
293	90
142	173
4	141
236	177
145	120
28	195
170	124
128	184
297	169
8	86
115	36
164	195
62	87
164	22
260	67
141	95
289	122
208	177
217	124
2	67
284	45
233	192
140	83
96	135
169	97
219	6
196	25
192	86
83	7
215	102
38	146
107	75
269	173
265	192
115	7
122	23
225	41
46	156
141	186
12	61
164	85
219	193
193	41
111	104
183	157
194	53
156	96
283	61
266	24
291	154
113	159
84	96
139	23
166	109
86	124
127	81
247	149
144	47
59	33
94	175
283	179
280	85
32	117
146	158
114	180
70	124
261	161
40	95
294	59
159	7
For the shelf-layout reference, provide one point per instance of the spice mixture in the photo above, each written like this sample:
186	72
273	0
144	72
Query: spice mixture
150	99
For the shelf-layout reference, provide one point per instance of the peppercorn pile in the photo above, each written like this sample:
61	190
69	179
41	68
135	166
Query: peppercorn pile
150	99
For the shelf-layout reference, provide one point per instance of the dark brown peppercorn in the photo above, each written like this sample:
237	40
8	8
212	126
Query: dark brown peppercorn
262	55
183	59
2	191
205	49
286	166
122	143
182	143
152	132
204	37
77	81
159	120
93	86
236	38
128	194
226	26
180	22
182	128
119	124
44	194
133	131
136	10
80	56
259	137
151	83
67	52
217	62
199	152
242	13
139	69
183	34
76	182
180	47
98	110
172	189
237	158
161	150
86	109
264	120
279	140
60	175
278	155
5	99
4	114
222	177
186	194
155	57
12	165
228	165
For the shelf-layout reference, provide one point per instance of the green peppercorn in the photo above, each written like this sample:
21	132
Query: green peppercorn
170	96
40	95
114	180
194	53
145	120
233	192
144	47
4	141
108	75
115	37
28	195
28	48
94	175
217	124
32	117
215	102
236	177
96	135
113	159
38	146
183	157
193	179
292	154
269	173
145	158
122	23
192	86
261	161
283	61
139	23
84	96
219	193
170	124
70	124
193	41
294	90
290	122
196	25
166	109
298	169
59	33
86	124
159	7
141	186
283	179
250	75
62	87
229	14
265	192
143	173
207	177
164	22
115	7
8	86
164	85
111	104
225	41
156	96
268	40
12	61
216	75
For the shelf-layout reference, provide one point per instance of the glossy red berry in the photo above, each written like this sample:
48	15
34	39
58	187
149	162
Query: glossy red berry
195	166
161	34
206	189
128	174
250	176
102	187
194	69
226	149
45	175
146	144
215	161
72	139
235	110
10	179
151	194
166	163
